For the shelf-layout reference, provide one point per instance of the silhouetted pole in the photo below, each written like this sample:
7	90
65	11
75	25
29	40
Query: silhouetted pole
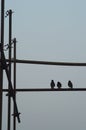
1	74
1	49
10	52
14	119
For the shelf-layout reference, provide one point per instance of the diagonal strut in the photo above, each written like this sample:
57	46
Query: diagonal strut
11	91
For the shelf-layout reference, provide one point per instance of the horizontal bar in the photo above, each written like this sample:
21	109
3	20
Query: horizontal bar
45	89
46	62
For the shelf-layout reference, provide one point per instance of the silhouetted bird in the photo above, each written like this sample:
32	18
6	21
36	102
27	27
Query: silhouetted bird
59	85
70	84
52	84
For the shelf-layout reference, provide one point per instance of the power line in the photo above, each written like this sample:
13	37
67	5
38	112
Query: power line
45	89
46	62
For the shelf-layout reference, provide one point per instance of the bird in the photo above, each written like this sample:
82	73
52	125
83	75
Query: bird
70	84
59	85
52	84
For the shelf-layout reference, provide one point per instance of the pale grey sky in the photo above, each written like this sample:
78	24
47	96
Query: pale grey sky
49	30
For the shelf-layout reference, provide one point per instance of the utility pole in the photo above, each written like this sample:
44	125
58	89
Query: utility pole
9	13
1	50
14	80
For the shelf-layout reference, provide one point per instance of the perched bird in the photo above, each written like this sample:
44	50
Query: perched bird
70	84
52	84
59	85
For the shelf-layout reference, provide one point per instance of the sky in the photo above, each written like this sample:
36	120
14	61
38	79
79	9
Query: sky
49	30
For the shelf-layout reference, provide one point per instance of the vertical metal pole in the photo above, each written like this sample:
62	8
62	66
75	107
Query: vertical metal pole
1	74
10	52
14	118
1	50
